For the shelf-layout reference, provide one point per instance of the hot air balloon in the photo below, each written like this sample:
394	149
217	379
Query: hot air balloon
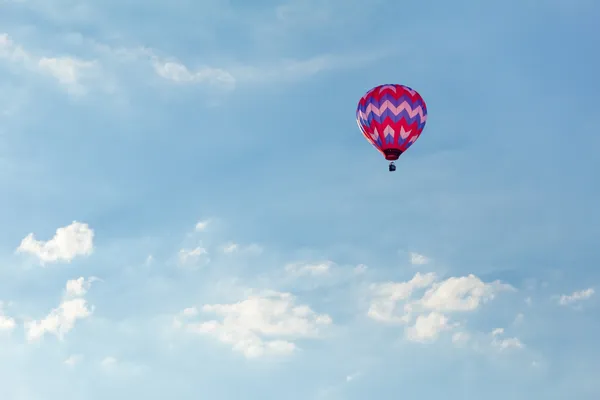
391	117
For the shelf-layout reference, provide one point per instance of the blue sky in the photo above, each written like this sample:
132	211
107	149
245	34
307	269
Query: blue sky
188	209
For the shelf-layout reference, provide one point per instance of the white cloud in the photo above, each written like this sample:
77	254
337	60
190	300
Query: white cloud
70	72
202	225
264	324
301	269
69	242
393	302
418	259
62	319
461	294
196	256
230	248
428	327
179	73
509	343
11	51
7	323
77	74
386	297
228	78
79	287
505	343
576	297
67	70
497	332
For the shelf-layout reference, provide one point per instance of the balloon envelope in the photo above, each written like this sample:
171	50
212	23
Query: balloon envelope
391	117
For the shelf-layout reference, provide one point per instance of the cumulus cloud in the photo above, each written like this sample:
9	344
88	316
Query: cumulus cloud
576	297
428	327
62	319
80	286
466	293
387	297
71	72
68	242
263	324
394	302
202	225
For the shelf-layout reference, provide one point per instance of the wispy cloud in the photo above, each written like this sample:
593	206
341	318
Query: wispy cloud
576	297
313	269
195	257
269	73
180	73
70	72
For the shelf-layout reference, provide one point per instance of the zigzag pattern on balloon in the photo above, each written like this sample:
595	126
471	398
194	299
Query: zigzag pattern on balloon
394	114
388	112
388	118
395	99
395	110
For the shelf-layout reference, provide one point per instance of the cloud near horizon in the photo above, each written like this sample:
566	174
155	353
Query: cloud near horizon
265	321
